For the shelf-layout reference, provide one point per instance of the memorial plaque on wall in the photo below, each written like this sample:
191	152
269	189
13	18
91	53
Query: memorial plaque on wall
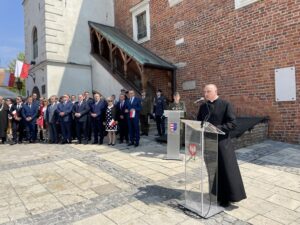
285	84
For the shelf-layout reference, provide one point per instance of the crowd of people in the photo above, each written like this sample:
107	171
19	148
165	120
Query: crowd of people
63	119
84	118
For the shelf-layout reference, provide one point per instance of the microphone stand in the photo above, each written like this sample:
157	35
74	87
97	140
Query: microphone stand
207	116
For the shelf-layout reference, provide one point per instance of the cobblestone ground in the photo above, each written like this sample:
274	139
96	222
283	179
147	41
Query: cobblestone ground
90	185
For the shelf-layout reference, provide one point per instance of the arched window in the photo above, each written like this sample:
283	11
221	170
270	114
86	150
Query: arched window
35	43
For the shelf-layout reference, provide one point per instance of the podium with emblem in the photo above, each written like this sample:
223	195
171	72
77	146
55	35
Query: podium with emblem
173	145
201	168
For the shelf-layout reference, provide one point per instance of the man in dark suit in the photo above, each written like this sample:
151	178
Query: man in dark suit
29	114
122	117
89	126
73	126
98	109
81	111
64	111
133	109
17	121
158	111
144	114
51	119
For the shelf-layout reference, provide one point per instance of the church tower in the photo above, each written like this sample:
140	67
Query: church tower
57	43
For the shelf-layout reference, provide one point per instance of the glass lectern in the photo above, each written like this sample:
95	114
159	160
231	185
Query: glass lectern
201	168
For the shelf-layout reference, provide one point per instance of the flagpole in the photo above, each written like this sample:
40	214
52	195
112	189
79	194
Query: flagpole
19	85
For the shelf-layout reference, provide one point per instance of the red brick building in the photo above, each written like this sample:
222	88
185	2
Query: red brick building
236	44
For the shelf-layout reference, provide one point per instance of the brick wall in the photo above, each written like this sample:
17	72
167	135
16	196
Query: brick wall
161	79
237	50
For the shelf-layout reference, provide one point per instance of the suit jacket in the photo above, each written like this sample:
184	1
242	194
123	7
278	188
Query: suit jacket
90	101
99	109
14	112
83	109
30	112
67	108
51	113
136	105
121	110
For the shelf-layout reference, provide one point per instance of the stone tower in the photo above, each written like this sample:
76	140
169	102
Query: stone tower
57	43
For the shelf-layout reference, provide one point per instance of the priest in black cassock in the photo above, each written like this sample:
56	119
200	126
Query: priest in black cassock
220	113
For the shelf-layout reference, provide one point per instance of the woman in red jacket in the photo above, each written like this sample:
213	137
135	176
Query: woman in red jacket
42	128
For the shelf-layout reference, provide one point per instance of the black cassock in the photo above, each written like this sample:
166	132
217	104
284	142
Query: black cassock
230	183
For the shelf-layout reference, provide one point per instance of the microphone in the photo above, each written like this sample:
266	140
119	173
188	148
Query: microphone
199	100
210	109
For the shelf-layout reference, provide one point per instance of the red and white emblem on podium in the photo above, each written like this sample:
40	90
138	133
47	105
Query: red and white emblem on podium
173	127
193	150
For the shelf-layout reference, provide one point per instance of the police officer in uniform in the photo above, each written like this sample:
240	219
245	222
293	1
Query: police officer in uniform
158	112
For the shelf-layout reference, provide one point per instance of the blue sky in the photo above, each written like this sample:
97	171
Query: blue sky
11	30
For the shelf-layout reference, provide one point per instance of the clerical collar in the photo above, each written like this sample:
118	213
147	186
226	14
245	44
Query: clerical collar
213	100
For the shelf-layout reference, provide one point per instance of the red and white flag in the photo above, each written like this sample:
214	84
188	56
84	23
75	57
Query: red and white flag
22	69
132	114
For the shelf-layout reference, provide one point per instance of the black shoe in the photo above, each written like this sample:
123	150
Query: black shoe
136	144
95	143
121	142
157	135
78	143
224	204
129	144
13	143
109	144
112	144
101	142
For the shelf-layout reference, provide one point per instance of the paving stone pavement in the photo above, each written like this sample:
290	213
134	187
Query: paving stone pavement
92	184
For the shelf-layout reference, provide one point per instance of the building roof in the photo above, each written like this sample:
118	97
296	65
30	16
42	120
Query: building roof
131	48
